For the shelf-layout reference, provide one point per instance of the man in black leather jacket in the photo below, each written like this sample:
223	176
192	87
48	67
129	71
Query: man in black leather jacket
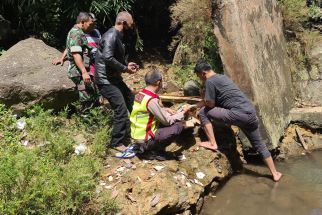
110	63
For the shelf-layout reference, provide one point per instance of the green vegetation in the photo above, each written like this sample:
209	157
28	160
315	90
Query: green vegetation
295	13
184	74
301	37
2	51
41	174
196	38
315	13
50	20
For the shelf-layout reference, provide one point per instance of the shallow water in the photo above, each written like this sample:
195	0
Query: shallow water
298	193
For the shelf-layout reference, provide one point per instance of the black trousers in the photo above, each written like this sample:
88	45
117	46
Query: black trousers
121	100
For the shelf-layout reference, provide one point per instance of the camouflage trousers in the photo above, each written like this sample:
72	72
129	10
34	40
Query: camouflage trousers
86	92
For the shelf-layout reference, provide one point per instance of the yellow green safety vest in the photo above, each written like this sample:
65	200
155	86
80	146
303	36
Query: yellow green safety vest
143	123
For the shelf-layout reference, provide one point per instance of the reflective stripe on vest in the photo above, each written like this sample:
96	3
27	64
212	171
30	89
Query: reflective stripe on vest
143	123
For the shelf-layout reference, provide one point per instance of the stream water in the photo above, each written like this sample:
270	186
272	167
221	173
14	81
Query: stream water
298	193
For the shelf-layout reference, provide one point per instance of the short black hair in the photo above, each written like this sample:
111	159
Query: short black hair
83	17
202	65
152	76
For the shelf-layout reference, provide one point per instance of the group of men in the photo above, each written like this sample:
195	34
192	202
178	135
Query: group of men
96	65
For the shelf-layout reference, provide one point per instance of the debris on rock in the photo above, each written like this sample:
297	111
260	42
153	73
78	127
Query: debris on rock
131	198
158	168
120	169
115	193
198	182
155	200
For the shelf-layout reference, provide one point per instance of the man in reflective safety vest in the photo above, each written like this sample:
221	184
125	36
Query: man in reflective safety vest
152	125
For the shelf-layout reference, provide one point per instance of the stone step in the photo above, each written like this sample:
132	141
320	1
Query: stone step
310	116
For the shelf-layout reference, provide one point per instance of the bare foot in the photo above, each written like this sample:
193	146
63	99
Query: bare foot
277	176
208	145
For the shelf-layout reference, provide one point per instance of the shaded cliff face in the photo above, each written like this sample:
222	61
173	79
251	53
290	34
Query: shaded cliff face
253	50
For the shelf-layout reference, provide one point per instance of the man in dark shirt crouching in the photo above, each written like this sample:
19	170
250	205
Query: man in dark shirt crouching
225	102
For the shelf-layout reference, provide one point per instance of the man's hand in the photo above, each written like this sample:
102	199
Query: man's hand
186	109
58	61
61	60
132	68
86	78
134	91
170	111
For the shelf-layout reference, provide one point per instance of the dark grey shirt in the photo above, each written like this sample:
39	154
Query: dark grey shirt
225	94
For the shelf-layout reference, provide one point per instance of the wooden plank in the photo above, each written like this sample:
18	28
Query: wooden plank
302	141
179	99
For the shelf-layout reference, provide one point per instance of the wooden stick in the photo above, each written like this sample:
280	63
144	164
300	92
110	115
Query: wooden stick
301	139
179	99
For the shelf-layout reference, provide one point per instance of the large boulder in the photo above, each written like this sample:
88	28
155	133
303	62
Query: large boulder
28	77
253	51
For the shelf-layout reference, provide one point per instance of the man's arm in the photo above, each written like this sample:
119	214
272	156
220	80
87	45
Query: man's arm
209	95
61	60
109	43
164	117
75	46
79	63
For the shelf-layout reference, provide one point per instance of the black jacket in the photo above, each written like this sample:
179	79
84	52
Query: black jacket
110	59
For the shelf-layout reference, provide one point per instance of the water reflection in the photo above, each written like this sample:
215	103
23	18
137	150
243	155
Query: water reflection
298	193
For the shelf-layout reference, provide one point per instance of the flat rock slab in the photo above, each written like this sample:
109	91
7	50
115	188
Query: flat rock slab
28	77
311	117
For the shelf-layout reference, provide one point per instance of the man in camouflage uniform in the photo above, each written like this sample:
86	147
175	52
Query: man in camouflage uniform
78	54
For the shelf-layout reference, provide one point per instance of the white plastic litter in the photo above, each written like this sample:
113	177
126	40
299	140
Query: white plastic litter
182	157
120	169
110	178
80	149
102	183
108	187
158	168
98	190
21	124
200	175
25	142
